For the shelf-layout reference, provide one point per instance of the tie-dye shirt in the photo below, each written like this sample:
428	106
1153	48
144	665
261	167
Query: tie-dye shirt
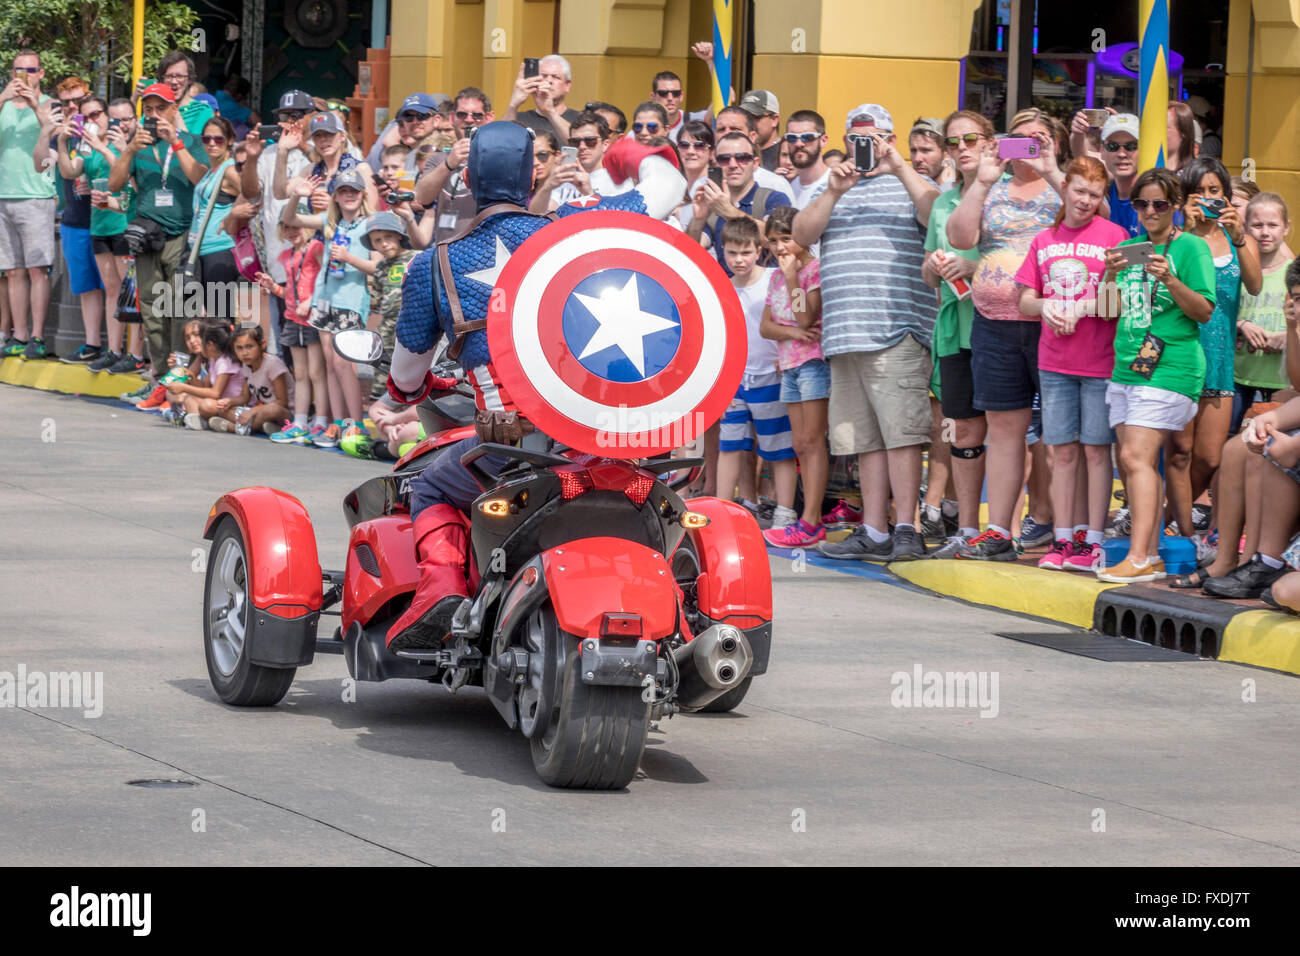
1007	227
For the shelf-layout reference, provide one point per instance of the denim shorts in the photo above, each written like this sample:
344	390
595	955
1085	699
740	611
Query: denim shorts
1074	409
807	382
1004	363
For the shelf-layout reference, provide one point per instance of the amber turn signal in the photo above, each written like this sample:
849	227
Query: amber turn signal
693	519
495	507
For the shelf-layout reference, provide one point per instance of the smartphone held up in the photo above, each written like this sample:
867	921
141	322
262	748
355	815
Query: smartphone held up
864	152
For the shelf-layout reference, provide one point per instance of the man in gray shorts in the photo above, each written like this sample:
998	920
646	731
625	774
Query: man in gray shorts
877	320
26	206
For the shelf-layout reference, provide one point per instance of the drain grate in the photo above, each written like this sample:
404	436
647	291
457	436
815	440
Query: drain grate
1098	646
162	783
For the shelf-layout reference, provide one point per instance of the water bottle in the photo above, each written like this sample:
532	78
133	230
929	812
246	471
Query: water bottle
336	266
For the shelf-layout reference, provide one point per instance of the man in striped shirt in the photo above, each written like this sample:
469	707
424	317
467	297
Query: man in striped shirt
877	319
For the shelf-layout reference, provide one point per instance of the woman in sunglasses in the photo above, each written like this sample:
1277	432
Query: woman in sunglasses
1001	216
695	146
1162	300
648	121
949	270
215	245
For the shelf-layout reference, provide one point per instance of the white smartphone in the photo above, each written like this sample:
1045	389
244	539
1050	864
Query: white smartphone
570	154
1138	254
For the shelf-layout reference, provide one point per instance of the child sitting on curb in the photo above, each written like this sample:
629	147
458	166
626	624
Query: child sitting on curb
267	395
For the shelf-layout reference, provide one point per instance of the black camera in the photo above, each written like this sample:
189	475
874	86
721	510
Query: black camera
150	123
144	236
394	198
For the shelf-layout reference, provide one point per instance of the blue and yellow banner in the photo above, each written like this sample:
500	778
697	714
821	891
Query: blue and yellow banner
1153	82
721	53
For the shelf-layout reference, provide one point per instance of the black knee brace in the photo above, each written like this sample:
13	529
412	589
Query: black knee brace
967	453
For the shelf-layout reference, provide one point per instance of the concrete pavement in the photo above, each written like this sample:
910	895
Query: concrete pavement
1086	762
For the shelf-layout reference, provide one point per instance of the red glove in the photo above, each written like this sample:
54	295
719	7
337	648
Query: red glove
623	159
430	384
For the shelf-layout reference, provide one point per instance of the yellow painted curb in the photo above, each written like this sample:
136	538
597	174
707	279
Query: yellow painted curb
1055	595
55	376
1264	639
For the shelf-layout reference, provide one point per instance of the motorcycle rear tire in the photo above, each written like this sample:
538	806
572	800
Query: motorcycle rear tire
240	682
597	733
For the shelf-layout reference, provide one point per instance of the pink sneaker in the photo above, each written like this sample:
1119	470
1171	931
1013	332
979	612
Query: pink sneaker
795	535
1056	557
841	516
1085	557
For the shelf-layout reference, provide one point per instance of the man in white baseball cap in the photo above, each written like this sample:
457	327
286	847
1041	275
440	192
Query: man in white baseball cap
763	106
1119	154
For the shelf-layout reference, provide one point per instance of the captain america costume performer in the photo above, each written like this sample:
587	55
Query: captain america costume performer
448	291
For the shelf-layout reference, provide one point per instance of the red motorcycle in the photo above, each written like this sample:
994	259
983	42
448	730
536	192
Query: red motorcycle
600	599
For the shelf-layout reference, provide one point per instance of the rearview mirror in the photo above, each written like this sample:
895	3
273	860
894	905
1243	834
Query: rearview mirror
360	346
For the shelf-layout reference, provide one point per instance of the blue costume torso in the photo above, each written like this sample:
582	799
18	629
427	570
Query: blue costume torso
476	260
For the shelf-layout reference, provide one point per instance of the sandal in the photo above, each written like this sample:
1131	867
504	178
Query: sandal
1196	579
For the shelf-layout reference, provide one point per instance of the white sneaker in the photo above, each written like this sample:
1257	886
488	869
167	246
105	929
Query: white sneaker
783	517
194	422
219	424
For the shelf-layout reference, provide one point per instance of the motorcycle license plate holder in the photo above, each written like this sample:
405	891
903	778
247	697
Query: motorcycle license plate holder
619	662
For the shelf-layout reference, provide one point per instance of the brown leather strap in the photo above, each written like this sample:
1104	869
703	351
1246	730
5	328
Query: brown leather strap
459	327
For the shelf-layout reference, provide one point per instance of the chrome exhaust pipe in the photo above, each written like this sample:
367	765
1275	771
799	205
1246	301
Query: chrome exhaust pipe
713	663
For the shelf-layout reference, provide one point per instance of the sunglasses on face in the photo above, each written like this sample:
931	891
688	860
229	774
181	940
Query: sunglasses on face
291	116
970	139
685	146
411	118
648	127
676	92
793	138
464	116
740	159
1113	147
1159	205
590	142
213	140
26	69
543	156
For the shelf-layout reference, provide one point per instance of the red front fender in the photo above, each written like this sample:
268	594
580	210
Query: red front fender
735	583
281	545
590	576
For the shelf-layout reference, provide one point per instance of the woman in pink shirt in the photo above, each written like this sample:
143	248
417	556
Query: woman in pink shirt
1059	282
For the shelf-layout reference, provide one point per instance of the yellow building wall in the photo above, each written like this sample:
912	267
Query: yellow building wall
1275	98
827	54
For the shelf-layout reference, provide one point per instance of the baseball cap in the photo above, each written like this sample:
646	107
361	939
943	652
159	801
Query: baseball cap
425	103
210	100
350	178
1120	123
327	122
384	222
870	113
759	103
295	101
927	124
1199	105
160	90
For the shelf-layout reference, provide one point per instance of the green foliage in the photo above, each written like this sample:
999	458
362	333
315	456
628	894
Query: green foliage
70	35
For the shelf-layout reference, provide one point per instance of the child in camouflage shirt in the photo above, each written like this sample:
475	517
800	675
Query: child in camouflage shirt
385	235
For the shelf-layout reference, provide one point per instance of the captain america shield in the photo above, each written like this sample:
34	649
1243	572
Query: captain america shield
623	337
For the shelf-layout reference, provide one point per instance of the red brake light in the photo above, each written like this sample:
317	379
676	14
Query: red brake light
638	489
574	483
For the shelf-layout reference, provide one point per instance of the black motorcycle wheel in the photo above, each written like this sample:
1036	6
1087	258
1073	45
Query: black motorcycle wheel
227	627
595	734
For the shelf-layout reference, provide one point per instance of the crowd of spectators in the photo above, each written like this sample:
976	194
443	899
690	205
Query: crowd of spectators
964	319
